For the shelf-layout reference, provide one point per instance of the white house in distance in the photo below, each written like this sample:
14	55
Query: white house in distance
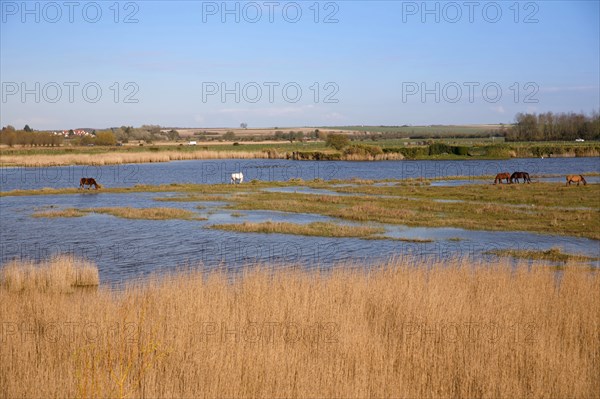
78	132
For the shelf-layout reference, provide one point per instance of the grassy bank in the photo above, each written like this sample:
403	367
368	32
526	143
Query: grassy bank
355	151
541	207
118	157
402	330
139	188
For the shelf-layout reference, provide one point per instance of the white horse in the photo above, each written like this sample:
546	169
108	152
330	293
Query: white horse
237	178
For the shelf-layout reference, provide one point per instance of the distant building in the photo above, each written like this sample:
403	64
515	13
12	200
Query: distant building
78	133
192	143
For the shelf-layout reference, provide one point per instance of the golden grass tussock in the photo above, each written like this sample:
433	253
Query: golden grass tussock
403	329
59	275
60	213
148	213
552	254
321	229
159	213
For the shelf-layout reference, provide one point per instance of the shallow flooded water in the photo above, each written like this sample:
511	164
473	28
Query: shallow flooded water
127	249
219	171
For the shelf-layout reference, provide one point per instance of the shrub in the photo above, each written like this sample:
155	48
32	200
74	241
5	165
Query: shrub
439	148
337	141
460	150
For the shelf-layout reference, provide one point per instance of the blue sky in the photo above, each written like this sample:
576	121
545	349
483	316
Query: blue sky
305	63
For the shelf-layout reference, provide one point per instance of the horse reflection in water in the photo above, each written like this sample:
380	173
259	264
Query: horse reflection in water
237	178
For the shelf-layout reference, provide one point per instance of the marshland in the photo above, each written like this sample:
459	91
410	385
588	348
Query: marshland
336	279
406	207
148	217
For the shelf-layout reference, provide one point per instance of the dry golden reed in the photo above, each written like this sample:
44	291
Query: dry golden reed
123	212
124	158
321	229
402	330
163	156
60	274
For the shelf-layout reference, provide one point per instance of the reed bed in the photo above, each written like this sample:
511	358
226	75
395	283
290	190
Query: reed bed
125	158
116	158
402	329
61	274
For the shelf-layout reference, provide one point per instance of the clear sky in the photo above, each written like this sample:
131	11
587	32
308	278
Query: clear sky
275	63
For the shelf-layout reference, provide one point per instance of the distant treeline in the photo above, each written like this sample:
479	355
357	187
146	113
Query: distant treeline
376	136
146	133
554	127
13	137
278	135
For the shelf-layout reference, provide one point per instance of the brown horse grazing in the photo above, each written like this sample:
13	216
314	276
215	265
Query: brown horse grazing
520	175
575	179
89	181
501	176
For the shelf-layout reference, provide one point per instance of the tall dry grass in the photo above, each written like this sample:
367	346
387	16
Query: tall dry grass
163	156
401	330
124	158
60	274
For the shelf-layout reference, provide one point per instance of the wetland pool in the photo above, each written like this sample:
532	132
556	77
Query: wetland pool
126	249
220	170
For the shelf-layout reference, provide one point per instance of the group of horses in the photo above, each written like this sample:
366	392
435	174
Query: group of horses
237	178
525	176
512	178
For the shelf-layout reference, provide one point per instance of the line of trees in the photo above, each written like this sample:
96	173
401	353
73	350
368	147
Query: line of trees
278	135
27	137
555	127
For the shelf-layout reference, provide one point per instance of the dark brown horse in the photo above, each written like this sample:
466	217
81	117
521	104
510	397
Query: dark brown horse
89	181
520	175
575	179
501	176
